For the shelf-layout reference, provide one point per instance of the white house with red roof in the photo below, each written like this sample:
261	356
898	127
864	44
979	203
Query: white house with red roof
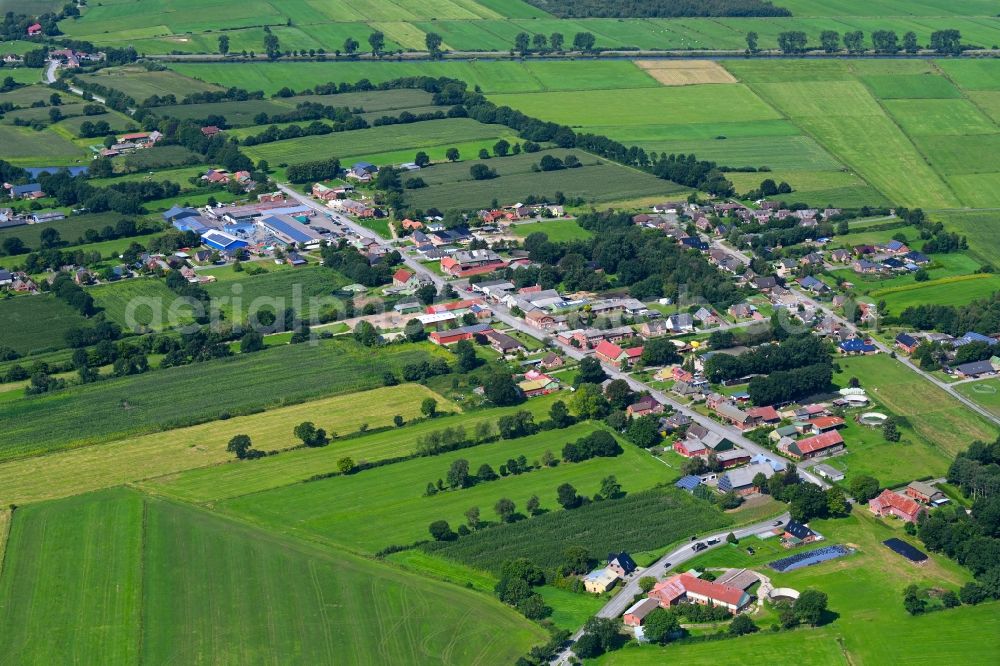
686	588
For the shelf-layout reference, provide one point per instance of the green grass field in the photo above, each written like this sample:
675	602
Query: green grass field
865	593
34	323
374	509
124	579
197	393
138	83
558	231
307	289
983	392
936	417
982	228
164	455
24	146
451	186
377	139
942	292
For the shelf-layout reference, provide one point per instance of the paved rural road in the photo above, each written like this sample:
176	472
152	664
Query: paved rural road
501	313
945	386
618	604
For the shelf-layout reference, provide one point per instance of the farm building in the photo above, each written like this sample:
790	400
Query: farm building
818	445
925	493
831	473
637	612
686	588
472	262
453	335
797	533
503	343
894	504
907	342
975	369
402	278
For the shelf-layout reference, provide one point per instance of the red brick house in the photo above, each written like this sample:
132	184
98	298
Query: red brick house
637	612
690	447
894	504
210	130
34	29
764	414
645	405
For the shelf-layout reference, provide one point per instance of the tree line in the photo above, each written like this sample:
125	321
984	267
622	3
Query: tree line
883	42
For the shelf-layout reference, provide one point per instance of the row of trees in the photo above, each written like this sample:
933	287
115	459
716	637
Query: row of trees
539	43
887	42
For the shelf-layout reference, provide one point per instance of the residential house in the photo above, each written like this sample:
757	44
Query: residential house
823	444
34	29
29	191
797	533
732	414
600	581
810	283
732	458
362	172
327	193
823	424
503	343
894	504
685	587
768	414
840	256
856	346
907	342
644	406
210	130
742	310
681	322
540	319
764	282
403	278
654	329
551	360
622	564
612	354
740	481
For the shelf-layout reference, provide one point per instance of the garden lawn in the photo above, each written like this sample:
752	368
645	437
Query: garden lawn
432	566
165	455
125	579
307	289
865	597
376	508
35	323
935	416
570	610
197	393
292	467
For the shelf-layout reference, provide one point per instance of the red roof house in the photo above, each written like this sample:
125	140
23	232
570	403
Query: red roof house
210	130
34	29
817	445
608	352
645	405
825	423
401	278
894	504
765	414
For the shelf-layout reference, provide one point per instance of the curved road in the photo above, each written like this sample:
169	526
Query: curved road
625	596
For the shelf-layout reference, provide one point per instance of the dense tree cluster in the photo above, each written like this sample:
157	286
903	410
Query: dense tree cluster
599	443
124	197
795	352
312	171
973	539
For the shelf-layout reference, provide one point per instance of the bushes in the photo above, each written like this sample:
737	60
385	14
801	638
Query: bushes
313	171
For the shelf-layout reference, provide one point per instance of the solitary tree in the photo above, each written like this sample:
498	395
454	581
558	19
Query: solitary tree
505	509
584	41
556	40
742	624
377	41
539	42
830	41
533	505
422	159
810	606
240	445
567	496
752	46
660	626
472	516
433	42
345	465
428	407
522	42
452	154
351	46
458	474
223	44
441	530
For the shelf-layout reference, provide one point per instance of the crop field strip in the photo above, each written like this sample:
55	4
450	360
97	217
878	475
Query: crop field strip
212	484
20	316
165	455
364	511
165	560
135	405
